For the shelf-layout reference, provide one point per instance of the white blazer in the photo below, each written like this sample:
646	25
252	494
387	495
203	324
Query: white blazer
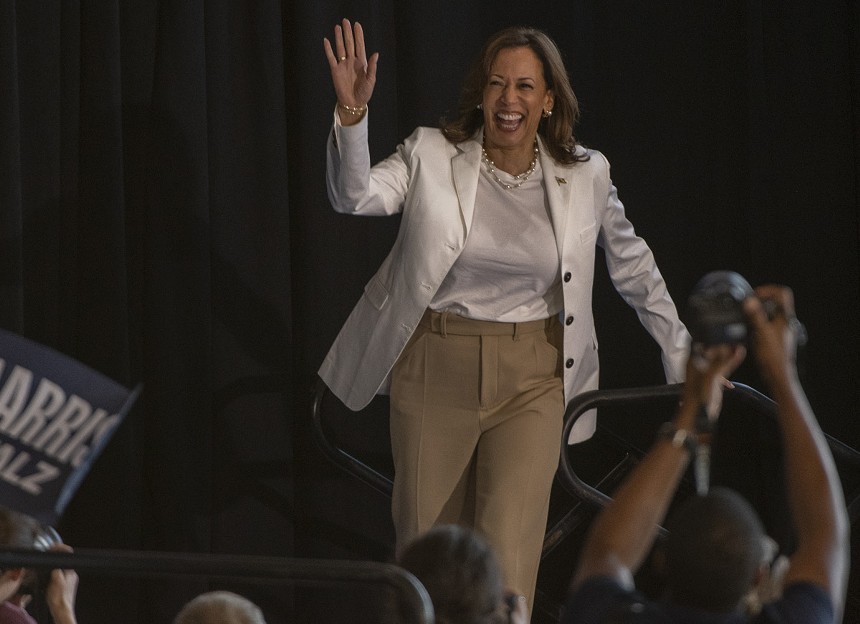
433	182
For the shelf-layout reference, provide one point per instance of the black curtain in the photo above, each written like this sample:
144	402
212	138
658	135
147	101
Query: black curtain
163	219
145	232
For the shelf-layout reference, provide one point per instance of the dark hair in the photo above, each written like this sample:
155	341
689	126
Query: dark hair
17	530
558	130
713	551
460	572
20	531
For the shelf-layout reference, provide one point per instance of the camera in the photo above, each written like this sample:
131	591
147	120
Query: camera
716	314
46	537
715	307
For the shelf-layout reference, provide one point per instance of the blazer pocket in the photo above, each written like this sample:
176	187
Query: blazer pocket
589	234
376	293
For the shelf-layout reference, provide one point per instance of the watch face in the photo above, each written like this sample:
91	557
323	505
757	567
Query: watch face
680	438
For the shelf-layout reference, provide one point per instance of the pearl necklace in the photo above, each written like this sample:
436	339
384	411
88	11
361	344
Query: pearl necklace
520	179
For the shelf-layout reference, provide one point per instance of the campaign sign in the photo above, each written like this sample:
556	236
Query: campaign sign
56	416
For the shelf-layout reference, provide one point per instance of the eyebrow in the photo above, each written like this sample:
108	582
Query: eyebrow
520	78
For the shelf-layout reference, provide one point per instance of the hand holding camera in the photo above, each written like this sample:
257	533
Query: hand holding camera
726	316
717	314
60	587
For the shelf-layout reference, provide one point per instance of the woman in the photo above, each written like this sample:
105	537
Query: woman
479	320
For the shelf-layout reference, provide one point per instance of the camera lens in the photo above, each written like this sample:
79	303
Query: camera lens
46	537
715	309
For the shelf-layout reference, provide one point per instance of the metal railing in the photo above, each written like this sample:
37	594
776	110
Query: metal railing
741	395
351	464
590	400
409	590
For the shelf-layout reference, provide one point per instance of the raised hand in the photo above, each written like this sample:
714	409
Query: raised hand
775	338
353	75
62	591
708	369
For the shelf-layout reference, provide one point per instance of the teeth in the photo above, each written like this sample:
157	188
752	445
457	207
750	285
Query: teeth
510	116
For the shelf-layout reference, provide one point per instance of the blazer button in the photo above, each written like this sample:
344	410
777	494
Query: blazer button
569	363
568	320
567	276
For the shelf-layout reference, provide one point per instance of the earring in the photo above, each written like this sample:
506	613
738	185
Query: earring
480	107
547	114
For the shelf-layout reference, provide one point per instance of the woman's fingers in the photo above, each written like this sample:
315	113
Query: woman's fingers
329	53
360	51
348	41
338	42
348	44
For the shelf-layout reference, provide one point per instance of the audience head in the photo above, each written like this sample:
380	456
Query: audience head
461	574
714	551
220	607
17	531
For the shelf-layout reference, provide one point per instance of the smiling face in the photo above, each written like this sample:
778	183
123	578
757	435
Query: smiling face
515	97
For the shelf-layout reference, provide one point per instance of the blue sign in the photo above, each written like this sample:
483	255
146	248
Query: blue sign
56	416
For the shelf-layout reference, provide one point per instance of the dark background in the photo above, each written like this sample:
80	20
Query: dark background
163	219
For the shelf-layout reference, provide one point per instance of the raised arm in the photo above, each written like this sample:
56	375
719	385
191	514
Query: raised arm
624	532
814	489
353	75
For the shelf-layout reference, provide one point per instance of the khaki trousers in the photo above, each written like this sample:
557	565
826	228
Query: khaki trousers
476	420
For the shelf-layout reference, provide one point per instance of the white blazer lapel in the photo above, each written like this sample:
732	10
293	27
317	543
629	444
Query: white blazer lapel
464	167
570	191
559	187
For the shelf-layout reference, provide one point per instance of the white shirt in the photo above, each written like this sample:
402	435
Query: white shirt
509	268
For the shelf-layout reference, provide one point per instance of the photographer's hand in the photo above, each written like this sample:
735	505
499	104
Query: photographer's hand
708	369
774	340
61	592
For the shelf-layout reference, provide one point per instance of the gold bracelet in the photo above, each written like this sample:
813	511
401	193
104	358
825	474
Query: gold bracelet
353	110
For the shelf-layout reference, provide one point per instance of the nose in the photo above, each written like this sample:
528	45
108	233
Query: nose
508	94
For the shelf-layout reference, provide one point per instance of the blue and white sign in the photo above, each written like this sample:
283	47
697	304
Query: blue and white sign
56	416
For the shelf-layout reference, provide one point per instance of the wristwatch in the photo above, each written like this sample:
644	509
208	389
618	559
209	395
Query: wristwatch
680	438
